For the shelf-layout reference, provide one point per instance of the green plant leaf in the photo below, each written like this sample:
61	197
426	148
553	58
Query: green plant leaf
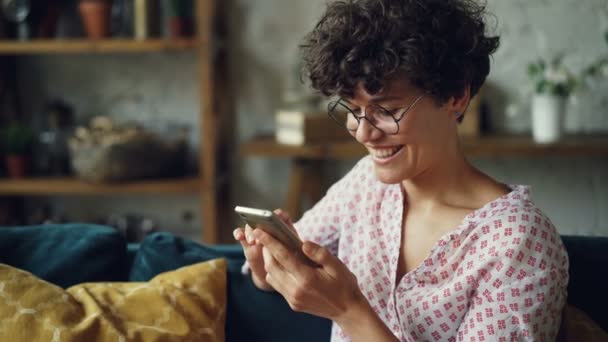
541	86
17	138
533	69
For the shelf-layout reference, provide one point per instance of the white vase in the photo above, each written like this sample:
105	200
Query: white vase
547	118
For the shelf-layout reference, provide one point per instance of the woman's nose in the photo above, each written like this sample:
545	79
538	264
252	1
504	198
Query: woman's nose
366	131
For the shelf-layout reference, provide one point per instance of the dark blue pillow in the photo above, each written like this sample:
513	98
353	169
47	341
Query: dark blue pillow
255	315
66	255
252	315
587	285
162	252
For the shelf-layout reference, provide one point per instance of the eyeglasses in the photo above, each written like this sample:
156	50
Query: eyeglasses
381	118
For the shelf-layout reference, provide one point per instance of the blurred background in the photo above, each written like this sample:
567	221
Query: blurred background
163	115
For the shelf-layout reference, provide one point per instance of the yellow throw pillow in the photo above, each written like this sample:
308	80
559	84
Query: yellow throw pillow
188	304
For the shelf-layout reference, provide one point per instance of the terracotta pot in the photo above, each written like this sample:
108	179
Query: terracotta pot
95	16
16	166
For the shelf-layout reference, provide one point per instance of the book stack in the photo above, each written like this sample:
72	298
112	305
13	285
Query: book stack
296	127
145	19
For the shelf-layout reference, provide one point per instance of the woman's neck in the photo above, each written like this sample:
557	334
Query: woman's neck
451	181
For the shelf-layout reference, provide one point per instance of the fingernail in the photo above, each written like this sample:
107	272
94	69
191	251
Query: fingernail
248	237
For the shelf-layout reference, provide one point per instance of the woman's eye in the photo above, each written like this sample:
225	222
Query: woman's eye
392	112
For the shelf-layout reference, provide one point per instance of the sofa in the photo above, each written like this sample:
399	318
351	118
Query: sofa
71	254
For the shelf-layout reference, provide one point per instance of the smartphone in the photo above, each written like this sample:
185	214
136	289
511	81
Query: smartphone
273	225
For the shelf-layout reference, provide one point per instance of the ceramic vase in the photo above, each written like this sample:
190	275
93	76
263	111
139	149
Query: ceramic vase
548	113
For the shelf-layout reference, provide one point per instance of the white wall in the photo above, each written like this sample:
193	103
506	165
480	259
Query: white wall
265	34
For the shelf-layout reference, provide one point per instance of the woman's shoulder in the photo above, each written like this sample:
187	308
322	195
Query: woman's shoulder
515	217
517	202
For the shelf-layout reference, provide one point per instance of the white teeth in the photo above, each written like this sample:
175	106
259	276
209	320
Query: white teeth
385	152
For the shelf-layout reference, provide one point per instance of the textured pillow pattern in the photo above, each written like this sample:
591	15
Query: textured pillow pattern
187	304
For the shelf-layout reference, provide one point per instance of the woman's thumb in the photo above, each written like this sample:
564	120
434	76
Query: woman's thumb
316	253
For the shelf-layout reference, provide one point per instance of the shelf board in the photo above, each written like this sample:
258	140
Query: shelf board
524	146
70	186
55	46
487	146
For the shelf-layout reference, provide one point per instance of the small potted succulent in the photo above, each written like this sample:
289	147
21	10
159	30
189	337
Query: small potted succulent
95	15
17	142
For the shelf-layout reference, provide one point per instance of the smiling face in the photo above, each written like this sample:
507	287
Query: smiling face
426	136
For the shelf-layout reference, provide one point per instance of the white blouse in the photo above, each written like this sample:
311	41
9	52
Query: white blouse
501	275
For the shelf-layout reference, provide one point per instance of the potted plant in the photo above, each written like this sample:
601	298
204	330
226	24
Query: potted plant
178	17
553	84
17	142
95	15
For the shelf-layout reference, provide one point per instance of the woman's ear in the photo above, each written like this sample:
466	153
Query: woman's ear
458	105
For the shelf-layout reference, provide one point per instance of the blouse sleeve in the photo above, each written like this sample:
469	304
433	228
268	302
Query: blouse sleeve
522	290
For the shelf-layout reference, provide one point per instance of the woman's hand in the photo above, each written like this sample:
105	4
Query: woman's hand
329	291
253	253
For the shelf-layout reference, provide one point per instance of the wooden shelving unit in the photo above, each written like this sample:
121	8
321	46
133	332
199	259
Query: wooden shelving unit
69	186
491	146
210	65
91	46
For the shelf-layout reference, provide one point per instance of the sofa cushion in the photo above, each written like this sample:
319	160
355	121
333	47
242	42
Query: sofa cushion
188	304
57	253
255	315
586	288
161	252
252	315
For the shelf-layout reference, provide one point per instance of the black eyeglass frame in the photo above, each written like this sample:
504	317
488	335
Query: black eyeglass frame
332	105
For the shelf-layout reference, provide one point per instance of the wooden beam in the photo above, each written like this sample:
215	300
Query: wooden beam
487	146
71	186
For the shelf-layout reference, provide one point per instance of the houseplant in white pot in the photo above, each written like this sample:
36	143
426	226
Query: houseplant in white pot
553	84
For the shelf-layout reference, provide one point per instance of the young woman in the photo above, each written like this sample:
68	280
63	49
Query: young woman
414	243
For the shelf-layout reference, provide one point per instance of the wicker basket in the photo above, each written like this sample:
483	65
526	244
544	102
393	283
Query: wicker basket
143	155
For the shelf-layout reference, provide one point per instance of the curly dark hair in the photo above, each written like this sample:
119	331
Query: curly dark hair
440	45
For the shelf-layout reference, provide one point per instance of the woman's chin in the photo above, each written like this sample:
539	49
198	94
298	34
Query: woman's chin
388	176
